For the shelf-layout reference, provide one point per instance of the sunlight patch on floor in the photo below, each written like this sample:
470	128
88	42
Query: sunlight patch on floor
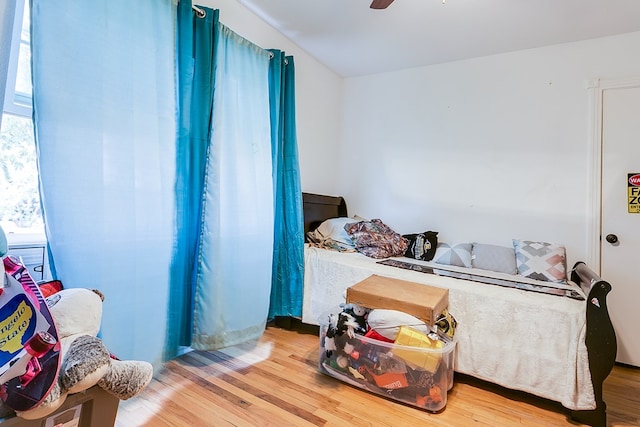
143	411
250	353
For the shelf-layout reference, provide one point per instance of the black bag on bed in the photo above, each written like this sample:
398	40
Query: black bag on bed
422	245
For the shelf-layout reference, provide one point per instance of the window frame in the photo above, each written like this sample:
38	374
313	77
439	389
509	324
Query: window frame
16	103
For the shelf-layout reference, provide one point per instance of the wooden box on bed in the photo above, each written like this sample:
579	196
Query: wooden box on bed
422	301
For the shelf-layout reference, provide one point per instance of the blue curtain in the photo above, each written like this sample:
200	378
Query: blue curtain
168	204
104	116
233	278
195	64
288	248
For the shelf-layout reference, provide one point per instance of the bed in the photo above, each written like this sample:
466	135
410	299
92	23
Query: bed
559	347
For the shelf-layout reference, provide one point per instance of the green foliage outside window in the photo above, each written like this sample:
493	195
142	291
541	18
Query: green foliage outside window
19	195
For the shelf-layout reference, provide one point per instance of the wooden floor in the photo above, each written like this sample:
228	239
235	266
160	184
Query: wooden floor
275	382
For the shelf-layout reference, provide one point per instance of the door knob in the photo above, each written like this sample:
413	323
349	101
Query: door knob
612	238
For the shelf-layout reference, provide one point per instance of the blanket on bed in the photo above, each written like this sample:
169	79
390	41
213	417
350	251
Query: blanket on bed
521	340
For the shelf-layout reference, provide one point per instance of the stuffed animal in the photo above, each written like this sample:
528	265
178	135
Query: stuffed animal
85	359
86	362
358	314
351	320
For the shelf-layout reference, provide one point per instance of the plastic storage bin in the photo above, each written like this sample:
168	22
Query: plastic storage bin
419	375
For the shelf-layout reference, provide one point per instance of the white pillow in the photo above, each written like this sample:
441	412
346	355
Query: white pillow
333	228
387	322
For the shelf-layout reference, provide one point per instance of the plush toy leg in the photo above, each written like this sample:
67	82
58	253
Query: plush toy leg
85	363
125	379
49	405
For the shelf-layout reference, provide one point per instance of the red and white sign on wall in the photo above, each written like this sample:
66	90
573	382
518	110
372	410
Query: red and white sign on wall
633	190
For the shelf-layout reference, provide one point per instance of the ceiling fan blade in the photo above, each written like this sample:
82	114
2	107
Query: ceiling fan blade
380	4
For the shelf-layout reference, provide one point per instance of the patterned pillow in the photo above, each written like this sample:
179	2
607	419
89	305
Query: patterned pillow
459	254
541	260
494	258
375	239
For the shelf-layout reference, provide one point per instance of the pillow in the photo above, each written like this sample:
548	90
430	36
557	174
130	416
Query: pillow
331	234
375	239
494	258
541	260
459	254
422	246
387	322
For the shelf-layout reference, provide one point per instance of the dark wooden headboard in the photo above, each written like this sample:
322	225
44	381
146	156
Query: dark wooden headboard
318	207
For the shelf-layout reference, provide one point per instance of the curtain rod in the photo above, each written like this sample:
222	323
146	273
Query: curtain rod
200	13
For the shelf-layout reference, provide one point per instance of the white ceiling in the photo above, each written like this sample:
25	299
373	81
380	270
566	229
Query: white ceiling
354	40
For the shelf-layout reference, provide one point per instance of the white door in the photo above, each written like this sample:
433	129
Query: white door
620	221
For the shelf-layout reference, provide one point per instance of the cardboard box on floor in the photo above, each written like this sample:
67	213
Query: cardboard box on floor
422	301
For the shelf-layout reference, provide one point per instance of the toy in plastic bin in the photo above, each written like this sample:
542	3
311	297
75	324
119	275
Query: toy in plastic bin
426	361
418	376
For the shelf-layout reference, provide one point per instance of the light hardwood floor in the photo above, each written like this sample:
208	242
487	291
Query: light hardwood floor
275	382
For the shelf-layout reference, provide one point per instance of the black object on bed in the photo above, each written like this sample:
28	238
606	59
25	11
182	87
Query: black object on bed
600	337
549	290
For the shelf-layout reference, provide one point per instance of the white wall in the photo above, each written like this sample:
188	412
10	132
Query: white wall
318	97
486	149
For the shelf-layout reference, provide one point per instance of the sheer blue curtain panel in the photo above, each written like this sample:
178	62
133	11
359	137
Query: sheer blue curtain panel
104	116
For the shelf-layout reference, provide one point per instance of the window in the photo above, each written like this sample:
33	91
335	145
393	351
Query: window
19	196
